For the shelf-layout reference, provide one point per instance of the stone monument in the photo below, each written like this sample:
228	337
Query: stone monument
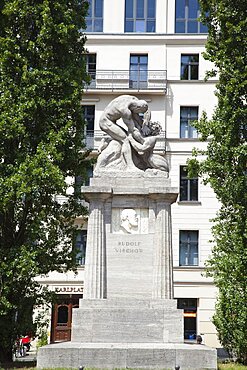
128	317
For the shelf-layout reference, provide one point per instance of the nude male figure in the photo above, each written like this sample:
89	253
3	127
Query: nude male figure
128	108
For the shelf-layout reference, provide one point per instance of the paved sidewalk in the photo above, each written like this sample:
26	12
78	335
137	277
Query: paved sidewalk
31	356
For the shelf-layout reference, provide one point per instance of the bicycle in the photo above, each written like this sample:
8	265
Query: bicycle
19	349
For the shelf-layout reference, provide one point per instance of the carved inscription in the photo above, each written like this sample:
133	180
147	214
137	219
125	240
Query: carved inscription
128	247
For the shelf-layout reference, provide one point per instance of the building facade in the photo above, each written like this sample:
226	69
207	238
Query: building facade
153	49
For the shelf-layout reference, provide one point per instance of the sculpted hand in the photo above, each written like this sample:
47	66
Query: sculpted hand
145	130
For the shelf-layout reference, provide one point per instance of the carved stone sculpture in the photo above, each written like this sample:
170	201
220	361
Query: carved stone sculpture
131	143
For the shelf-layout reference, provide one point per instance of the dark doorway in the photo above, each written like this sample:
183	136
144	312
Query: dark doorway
189	305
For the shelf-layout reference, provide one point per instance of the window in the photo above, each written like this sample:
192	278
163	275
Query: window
187	116
89	117
187	14
91	68
83	180
188	248
89	113
88	176
188	187
94	19
140	15
138	71
243	131
80	245
189	66
62	315
189	305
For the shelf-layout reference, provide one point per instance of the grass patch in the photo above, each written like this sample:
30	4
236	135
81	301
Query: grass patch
229	366
232	366
26	367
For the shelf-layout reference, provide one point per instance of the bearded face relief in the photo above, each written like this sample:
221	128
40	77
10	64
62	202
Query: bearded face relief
129	221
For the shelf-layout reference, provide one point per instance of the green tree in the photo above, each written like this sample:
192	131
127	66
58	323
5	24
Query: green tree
41	134
225	167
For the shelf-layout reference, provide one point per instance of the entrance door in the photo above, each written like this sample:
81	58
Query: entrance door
62	318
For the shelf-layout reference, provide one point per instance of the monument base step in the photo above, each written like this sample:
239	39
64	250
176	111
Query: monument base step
127	321
127	356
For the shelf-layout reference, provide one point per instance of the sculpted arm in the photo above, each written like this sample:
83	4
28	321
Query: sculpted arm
137	121
140	124
128	119
140	148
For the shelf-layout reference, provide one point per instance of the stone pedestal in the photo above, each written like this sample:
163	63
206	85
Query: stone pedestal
136	264
127	317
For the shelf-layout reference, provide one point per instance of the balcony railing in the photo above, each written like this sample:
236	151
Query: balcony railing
93	139
128	80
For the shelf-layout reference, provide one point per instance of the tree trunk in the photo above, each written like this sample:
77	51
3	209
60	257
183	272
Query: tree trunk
6	355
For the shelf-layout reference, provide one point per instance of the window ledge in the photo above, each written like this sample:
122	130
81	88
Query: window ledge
199	81
189	267
80	267
189	203
184	139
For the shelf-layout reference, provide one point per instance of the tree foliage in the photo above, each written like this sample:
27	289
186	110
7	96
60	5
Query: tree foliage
41	133
225	167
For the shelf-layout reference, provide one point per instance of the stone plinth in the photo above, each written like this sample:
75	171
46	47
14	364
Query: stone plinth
127	320
127	356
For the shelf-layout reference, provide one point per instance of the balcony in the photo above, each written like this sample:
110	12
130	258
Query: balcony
125	80
93	139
